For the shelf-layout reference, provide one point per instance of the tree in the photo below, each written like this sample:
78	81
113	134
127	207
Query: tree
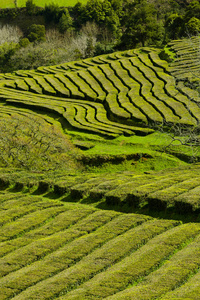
52	13
36	33
142	26
95	11
65	22
89	51
175	26
78	11
30	7
193	26
193	10
187	137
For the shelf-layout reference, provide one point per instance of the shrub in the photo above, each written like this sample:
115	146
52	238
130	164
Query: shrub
6	51
24	42
36	33
193	26
32	57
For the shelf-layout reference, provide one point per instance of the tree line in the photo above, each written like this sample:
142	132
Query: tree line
102	26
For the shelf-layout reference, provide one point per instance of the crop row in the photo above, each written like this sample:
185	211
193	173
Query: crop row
95	263
141	264
63	242
183	96
185	67
164	282
178	189
84	115
132	86
87	253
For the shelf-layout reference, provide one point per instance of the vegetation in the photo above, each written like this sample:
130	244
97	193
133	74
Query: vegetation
73	249
93	28
99	151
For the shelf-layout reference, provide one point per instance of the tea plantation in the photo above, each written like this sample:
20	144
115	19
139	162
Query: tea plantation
117	215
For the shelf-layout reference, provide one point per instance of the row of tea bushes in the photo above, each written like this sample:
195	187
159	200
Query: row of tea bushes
159	191
134	88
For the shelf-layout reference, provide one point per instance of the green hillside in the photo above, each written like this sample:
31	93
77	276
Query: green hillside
99	178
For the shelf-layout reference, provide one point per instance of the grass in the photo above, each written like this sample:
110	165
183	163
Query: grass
22	3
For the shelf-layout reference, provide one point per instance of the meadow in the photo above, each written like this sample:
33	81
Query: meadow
99	178
39	3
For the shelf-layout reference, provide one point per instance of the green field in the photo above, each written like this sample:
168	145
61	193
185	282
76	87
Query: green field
39	3
99	179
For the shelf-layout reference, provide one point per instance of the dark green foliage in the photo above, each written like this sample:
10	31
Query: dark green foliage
7	50
31	8
65	22
36	33
142	26
52	13
193	26
10	13
193	10
175	26
97	10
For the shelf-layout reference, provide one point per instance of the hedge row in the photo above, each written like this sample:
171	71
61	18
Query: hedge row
138	264
96	229
178	189
133	86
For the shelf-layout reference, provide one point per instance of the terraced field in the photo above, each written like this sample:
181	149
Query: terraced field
185	68
128	233
122	93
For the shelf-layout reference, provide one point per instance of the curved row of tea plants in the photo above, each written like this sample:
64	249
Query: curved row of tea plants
185	67
110	94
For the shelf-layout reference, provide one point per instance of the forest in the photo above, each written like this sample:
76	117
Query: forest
62	34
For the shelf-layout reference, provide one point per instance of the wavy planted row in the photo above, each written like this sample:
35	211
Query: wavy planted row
129	90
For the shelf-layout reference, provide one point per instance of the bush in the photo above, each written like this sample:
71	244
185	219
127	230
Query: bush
36	33
193	26
6	51
34	56
24	42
